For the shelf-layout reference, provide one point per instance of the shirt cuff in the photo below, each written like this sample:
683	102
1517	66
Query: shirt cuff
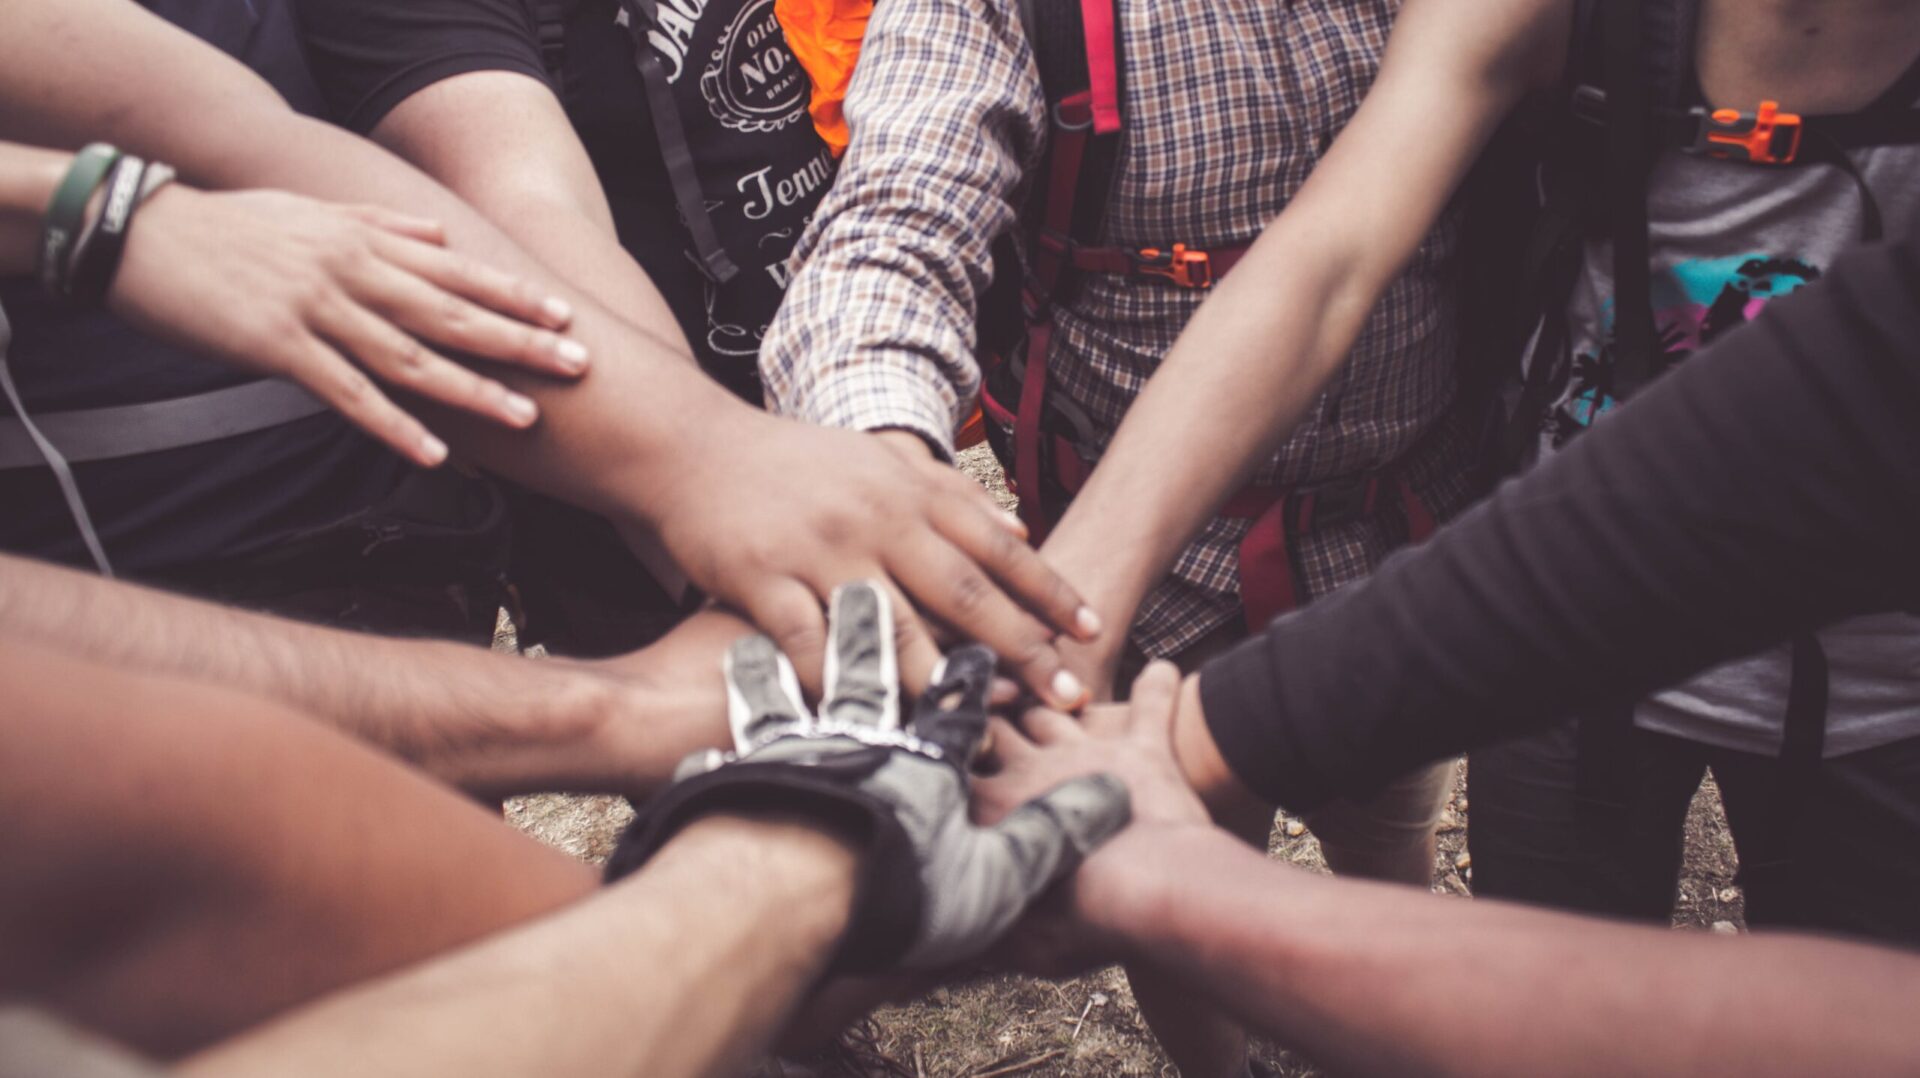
884	398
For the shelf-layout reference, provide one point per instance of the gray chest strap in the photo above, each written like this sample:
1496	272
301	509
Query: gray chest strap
132	430
57	439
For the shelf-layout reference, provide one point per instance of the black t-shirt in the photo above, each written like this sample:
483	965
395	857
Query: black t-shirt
197	504
741	97
1769	485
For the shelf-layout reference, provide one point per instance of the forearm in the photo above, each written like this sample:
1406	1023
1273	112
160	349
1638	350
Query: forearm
878	327
1259	352
545	196
687	968
1374	979
490	723
641	405
1769	485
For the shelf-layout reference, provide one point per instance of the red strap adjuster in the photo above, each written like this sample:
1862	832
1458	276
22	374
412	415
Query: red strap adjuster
1767	137
1183	265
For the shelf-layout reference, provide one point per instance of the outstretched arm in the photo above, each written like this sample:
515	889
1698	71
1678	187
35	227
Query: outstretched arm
1373	979
1370	978
688	968
491	724
765	514
1770	485
1262	348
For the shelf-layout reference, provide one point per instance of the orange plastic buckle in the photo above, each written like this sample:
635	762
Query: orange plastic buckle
1767	137
1183	265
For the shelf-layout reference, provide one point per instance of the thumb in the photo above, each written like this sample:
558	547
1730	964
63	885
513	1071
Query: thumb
1050	835
995	873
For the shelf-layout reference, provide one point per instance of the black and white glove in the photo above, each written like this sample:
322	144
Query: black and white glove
936	889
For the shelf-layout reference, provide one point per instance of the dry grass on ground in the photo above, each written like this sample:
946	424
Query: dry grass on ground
1089	1027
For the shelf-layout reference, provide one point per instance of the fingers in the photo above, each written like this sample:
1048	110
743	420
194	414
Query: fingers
1049	727
763	693
1004	745
423	229
1107	720
1049	836
459	304
788	611
982	534
400	360
328	375
1156	695
950	586
953	713
861	680
915	646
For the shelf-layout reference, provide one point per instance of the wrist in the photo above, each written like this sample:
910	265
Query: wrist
1126	895
1232	805
530	725
808	873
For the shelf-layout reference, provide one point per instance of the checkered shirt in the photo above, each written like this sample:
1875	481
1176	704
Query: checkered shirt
1229	103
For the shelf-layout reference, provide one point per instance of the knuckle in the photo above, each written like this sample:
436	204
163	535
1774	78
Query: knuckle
409	359
971	592
455	314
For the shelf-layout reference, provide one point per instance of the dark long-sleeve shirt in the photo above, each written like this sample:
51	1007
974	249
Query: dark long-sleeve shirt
1769	485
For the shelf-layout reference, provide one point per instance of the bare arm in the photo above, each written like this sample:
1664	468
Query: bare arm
768	515
492	724
544	194
1256	355
1372	979
686	968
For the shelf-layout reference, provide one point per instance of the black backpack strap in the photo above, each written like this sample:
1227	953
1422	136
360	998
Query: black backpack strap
1629	106
643	15
550	30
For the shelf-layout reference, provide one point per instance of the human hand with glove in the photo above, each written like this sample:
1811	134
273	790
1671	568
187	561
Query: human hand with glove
934	888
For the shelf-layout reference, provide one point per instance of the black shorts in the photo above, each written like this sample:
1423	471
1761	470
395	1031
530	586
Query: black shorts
1844	858
440	557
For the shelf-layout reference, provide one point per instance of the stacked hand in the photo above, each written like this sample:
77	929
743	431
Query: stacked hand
771	515
937	888
327	295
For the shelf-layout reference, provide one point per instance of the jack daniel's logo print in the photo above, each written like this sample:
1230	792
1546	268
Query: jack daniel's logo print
753	82
671	32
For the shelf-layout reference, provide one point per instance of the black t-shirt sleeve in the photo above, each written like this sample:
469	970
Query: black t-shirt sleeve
370	55
1770	484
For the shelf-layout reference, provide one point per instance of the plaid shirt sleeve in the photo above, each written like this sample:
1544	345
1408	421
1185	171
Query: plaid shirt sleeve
877	330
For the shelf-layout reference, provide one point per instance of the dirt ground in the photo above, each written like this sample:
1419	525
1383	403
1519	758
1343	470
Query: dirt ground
1090	1027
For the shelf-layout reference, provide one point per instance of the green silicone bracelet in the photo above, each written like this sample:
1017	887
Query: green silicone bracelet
67	213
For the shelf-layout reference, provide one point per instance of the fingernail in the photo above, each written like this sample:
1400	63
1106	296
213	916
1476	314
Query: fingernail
573	354
433	449
1067	690
557	310
521	409
1012	522
1088	622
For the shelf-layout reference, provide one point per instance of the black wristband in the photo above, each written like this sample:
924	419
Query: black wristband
97	259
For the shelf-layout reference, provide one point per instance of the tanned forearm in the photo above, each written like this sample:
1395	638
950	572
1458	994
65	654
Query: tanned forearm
1374	979
488	723
545	194
1257	354
686	968
642	404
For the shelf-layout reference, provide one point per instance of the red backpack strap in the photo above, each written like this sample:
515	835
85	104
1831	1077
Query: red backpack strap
1101	29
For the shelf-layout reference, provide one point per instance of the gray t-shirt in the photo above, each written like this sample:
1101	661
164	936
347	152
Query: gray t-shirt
1726	239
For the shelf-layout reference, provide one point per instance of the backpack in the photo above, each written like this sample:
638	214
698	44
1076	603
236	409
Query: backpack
1631	75
1627	97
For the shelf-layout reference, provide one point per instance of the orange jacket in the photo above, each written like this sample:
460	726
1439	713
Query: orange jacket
825	37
